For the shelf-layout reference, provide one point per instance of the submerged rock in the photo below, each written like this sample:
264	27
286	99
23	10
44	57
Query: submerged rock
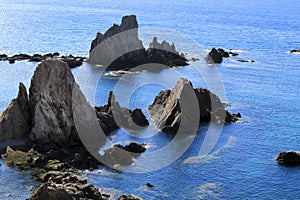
120	48
185	107
289	158
15	120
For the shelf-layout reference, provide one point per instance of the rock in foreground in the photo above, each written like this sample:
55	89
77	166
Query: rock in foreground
186	107
65	186
289	158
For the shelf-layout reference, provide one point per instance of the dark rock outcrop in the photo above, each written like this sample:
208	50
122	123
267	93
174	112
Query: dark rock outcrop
120	47
246	60
70	60
65	186
123	155
216	56
295	51
15	120
112	116
3	57
289	158
187	107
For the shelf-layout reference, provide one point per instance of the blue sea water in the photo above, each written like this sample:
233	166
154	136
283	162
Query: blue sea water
242	164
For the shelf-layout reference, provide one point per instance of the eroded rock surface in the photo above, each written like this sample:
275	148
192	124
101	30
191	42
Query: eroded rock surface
183	102
120	48
50	96
15	120
64	186
112	116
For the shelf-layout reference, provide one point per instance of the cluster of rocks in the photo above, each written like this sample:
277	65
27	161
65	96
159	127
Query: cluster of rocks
112	116
289	158
185	107
72	61
45	119
120	47
215	56
64	186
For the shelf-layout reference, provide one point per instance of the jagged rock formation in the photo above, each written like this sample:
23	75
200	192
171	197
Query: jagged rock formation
164	45
118	42
120	48
128	23
47	115
186	107
112	116
14	121
50	96
289	158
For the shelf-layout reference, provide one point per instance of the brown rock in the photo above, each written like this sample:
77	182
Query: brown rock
15	120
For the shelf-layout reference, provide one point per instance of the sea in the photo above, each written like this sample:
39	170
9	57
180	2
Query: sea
238	162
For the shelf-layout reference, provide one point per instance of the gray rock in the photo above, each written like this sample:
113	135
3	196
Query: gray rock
120	48
51	93
184	108
14	121
65	186
128	197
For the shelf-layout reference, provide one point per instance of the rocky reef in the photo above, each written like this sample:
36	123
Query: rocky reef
289	158
72	61
185	107
120	48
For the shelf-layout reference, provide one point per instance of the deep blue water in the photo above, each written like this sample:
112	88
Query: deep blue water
241	165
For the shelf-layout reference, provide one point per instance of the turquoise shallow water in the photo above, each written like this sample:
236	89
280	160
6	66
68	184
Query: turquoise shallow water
241	165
